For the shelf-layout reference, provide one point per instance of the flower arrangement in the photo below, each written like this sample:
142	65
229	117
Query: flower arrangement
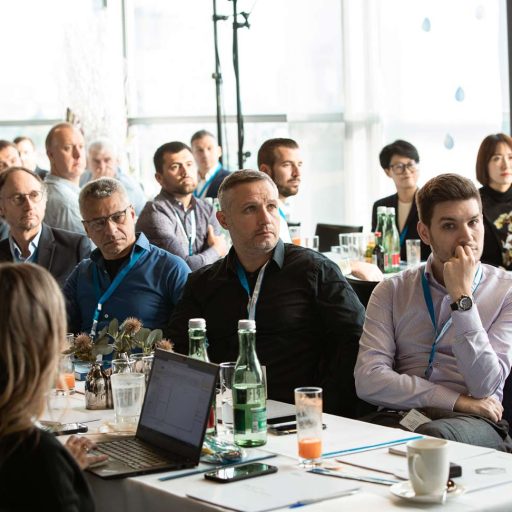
119	338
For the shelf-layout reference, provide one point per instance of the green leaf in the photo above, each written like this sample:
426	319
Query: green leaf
113	327
154	336
103	349
141	335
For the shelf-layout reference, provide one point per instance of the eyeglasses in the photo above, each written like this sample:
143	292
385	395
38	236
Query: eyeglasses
100	223
400	168
19	199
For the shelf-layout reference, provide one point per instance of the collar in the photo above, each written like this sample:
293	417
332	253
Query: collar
175	203
277	256
209	174
57	180
32	247
140	241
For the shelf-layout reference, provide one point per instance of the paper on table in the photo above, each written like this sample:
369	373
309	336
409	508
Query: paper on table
485	471
270	492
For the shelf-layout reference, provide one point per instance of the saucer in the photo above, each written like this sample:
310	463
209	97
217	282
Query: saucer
405	491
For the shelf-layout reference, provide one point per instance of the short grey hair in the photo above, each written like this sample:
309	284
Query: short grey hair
100	189
238	178
102	144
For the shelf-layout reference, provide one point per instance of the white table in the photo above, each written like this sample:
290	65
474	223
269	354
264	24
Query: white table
147	493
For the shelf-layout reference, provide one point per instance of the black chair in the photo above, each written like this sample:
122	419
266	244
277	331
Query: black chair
363	289
328	234
507	402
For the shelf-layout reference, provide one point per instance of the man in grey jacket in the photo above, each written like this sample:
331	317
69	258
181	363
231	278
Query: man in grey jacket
175	220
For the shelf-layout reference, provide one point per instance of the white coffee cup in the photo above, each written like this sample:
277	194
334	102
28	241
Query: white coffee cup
429	466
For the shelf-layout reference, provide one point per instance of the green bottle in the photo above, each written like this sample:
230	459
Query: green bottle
249	402
197	350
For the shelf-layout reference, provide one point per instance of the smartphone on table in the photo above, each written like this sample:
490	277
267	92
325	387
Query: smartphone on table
284	425
234	473
63	429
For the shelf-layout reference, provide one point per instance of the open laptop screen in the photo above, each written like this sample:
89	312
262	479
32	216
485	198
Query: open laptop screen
178	398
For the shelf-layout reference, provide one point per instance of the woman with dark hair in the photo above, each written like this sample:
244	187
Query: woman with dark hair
36	469
494	172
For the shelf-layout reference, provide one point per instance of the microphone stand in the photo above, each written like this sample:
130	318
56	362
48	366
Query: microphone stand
217	76
239	118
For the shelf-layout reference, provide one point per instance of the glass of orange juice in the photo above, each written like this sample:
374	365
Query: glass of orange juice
66	377
308	408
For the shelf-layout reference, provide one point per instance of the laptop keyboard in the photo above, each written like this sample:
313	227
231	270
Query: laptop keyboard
132	452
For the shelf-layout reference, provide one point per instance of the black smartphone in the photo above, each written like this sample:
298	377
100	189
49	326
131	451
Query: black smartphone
234	473
284	425
64	429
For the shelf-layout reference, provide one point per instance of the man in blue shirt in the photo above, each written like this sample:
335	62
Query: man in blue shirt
126	276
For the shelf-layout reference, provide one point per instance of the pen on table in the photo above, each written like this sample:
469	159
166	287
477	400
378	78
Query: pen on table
360	478
303	503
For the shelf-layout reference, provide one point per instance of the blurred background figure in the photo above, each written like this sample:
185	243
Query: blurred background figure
103	162
28	155
207	153
494	172
9	156
35	467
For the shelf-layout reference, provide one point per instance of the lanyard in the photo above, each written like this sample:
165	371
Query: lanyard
110	290
430	306
189	239
283	216
253	299
403	234
204	189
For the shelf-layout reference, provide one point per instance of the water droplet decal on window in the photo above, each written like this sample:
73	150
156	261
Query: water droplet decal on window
426	25
459	94
448	141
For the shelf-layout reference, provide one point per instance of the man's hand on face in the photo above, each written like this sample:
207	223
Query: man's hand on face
459	272
217	242
487	407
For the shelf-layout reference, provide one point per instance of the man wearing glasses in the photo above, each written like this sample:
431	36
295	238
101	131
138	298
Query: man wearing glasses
400	163
23	205
436	346
126	275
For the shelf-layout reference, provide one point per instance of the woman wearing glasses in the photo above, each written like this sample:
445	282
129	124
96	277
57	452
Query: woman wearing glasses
494	172
400	162
36	470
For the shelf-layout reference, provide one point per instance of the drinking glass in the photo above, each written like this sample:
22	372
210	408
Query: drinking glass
142	364
122	366
312	242
127	396
227	370
66	377
413	250
308	408
295	234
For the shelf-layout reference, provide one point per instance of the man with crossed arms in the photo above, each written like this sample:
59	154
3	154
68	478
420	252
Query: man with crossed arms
438	337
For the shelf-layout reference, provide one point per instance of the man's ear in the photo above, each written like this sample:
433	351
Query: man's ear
266	169
158	177
388	172
424	232
221	217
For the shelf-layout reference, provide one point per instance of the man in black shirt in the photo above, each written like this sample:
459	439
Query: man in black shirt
308	318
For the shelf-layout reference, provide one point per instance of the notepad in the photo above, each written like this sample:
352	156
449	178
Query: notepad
282	489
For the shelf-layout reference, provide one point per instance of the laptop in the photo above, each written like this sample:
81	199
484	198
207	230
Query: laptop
172	422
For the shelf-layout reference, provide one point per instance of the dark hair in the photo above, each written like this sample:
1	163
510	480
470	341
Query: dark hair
237	178
4	175
266	153
7	144
21	138
485	153
399	147
442	188
169	147
201	134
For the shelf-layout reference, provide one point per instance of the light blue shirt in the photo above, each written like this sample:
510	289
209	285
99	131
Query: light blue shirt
32	248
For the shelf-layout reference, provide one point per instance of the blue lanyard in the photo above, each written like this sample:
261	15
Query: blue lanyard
283	216
403	234
430	306
204	189
110	290
189	239
253	299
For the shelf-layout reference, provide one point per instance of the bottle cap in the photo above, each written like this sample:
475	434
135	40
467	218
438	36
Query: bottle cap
247	325
197	323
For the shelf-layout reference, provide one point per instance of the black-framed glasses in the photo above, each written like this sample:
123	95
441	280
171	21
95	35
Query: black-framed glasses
99	223
19	199
400	167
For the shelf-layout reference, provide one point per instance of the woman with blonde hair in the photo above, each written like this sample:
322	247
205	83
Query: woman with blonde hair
36	470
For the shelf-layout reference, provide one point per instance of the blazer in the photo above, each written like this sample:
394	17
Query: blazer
59	251
411	224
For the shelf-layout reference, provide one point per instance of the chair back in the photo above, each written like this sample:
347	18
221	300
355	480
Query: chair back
507	402
363	289
328	234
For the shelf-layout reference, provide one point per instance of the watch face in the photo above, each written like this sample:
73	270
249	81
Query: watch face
465	303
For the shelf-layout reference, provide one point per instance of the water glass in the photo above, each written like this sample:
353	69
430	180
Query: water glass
227	371
66	377
122	366
142	364
413	251
312	242
308	408
127	396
